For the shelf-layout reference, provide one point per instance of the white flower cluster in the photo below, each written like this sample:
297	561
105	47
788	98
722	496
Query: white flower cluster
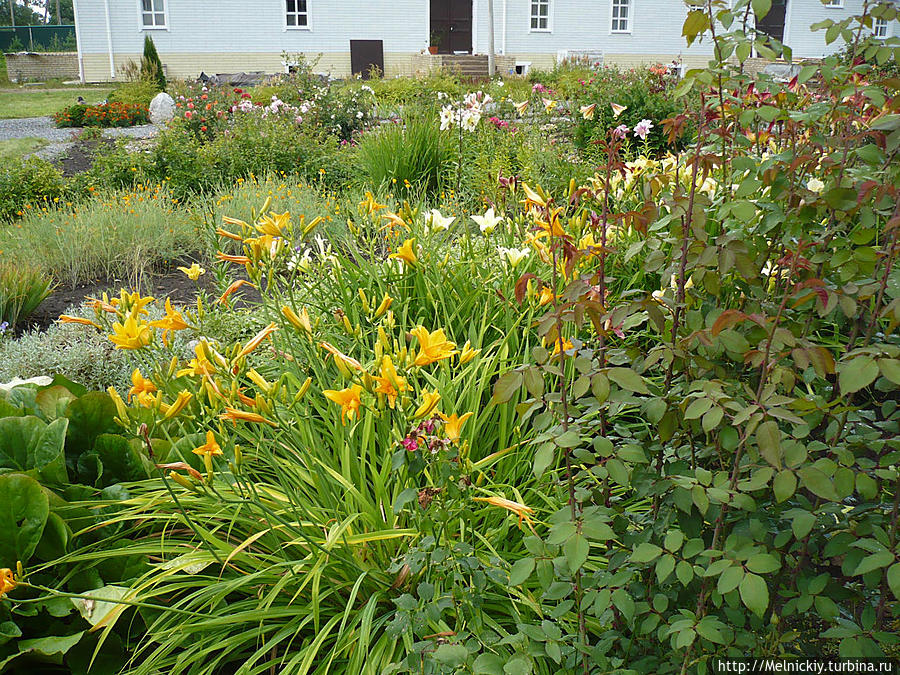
465	114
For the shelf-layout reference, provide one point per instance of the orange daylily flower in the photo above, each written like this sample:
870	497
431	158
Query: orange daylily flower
232	288
7	581
522	511
274	224
210	448
238	259
171	322
132	334
301	321
234	415
229	235
430	399
257	339
181	401
65	318
389	383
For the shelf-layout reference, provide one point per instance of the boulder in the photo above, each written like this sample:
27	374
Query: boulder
162	109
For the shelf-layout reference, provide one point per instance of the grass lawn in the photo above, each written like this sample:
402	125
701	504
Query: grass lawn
22	102
16	147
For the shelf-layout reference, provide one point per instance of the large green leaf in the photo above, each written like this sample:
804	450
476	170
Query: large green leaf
754	593
89	416
17	435
24	509
121	461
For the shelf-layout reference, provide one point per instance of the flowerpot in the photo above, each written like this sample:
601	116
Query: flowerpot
433	49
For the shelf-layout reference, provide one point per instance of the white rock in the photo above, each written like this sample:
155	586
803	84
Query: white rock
162	109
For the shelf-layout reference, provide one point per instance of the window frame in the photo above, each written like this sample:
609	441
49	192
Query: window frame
141	13
834	4
628	19
296	14
887	28
532	16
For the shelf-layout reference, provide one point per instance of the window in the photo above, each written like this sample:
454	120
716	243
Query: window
880	29
153	14
540	15
835	4
297	14
621	16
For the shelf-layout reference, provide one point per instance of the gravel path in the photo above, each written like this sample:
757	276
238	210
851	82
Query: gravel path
43	127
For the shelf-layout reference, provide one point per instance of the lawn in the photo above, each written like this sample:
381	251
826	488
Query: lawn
37	102
17	147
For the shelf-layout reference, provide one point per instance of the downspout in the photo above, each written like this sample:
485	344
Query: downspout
78	42
490	10
112	63
503	45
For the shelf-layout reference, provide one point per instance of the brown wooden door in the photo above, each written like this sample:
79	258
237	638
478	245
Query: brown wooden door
366	55
451	24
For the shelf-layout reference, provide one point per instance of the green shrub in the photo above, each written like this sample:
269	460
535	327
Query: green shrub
414	152
28	185
151	66
67	349
137	92
22	290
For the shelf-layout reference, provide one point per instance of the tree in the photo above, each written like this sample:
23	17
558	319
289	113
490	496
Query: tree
151	66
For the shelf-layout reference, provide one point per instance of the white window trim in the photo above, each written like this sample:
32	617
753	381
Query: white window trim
140	14
284	24
549	28
839	5
630	19
887	28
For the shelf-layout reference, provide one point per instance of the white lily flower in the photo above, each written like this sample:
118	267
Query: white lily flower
437	222
514	255
488	222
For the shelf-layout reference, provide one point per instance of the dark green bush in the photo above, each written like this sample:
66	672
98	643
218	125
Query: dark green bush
151	66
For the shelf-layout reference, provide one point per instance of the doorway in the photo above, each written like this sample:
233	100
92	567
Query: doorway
451	26
772	24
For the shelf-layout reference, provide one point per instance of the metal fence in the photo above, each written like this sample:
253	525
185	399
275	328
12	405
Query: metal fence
37	38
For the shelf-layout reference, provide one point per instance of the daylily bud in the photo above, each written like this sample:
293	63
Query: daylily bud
120	404
383	307
173	366
259	380
238	456
342	368
368	382
347	325
182	481
303	389
266	205
364	300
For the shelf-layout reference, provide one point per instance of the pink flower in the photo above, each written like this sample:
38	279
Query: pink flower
191	106
643	128
188	115
410	444
620	131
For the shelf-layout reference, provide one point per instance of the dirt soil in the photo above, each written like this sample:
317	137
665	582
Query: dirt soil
165	283
80	157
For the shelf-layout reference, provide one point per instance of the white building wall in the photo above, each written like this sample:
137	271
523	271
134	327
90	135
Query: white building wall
808	44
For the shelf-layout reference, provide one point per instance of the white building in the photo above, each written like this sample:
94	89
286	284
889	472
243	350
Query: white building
345	36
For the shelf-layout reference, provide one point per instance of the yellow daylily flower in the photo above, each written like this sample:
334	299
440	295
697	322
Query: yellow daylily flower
193	272
546	296
453	425
549	104
618	109
432	346
132	334
169	411
369	205
430	399
222	299
171	322
200	366
587	111
467	353
7	581
141	387
273	224
521	107
348	399
130	302
389	382
533	198
210	448
406	252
